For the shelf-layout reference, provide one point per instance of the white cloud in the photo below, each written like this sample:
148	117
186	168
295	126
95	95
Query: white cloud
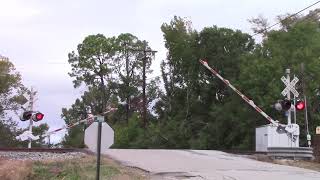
17	10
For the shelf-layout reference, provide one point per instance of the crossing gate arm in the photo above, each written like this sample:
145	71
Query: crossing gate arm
246	99
90	119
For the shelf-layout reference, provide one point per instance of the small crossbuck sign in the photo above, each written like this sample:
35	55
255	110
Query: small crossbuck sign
290	86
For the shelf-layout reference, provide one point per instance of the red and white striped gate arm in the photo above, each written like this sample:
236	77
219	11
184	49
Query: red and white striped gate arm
250	102
89	119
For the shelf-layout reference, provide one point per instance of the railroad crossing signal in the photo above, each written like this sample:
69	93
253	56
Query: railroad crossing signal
25	115
290	86
38	116
286	104
33	115
282	105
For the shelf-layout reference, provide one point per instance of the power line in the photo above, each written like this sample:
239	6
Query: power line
287	17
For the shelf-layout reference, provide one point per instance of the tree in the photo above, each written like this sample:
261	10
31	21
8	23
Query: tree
11	88
133	64
77	112
8	131
111	68
193	96
92	64
39	131
128	68
11	99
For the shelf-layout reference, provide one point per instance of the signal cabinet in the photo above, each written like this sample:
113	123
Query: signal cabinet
267	136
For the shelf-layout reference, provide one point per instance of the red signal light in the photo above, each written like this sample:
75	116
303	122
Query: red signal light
300	105
38	116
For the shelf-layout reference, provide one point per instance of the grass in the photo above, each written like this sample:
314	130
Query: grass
79	169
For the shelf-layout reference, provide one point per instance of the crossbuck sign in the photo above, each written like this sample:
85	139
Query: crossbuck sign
290	86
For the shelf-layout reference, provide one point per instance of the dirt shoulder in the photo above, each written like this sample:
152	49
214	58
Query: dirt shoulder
312	165
14	170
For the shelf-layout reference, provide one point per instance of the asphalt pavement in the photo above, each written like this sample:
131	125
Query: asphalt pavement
206	164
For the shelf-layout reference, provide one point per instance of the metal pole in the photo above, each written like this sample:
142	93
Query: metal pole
288	95
98	150
307	123
49	142
103	106
295	111
306	105
306	113
144	100
31	109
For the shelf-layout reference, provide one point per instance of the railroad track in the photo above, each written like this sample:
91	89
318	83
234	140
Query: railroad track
67	150
49	150
38	154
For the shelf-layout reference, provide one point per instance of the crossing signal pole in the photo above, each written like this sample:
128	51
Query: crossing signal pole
306	106
31	103
289	96
30	114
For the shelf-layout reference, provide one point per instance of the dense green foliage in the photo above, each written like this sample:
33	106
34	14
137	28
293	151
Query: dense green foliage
111	68
11	89
11	99
195	109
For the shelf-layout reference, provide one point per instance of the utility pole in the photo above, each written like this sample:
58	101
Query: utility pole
144	113
306	105
144	64
127	82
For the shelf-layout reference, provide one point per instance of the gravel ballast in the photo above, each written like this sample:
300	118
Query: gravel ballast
37	156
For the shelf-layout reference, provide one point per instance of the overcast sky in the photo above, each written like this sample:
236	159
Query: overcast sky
37	35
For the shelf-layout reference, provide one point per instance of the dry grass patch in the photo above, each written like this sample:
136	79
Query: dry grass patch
14	170
312	165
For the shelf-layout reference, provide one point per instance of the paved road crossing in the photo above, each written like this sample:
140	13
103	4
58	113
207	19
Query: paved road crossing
204	164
